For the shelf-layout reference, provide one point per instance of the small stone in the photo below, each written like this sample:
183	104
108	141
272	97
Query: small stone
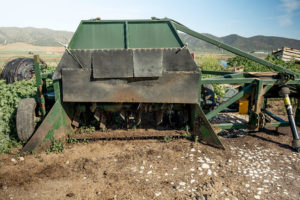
193	150
84	177
22	159
205	166
68	162
182	183
149	172
209	172
157	194
256	197
192	181
13	160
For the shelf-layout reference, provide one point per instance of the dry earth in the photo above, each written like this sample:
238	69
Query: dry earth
253	166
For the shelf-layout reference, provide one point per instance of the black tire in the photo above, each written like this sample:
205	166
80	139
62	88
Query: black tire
25	118
18	69
208	93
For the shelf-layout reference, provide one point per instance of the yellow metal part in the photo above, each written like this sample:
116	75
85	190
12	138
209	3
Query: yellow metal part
243	106
287	101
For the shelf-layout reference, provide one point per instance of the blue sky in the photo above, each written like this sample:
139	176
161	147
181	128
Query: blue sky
218	17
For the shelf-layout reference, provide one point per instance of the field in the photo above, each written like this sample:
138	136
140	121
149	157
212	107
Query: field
51	55
254	165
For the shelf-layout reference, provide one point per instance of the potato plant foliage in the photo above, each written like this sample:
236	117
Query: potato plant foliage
10	95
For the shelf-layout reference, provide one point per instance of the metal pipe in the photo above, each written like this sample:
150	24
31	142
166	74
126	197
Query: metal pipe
296	142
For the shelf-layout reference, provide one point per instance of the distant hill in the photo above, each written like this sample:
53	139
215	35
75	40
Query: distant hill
48	37
35	36
256	43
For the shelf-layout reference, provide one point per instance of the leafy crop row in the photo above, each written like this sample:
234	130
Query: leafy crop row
251	66
10	95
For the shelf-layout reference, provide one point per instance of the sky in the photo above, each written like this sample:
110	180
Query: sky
218	17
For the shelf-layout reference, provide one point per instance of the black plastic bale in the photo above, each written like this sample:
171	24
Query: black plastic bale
18	69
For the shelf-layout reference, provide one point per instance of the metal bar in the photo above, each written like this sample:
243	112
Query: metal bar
126	36
216	72
275	116
224	105
230	126
276	124
237	75
39	84
56	87
227	80
233	50
49	75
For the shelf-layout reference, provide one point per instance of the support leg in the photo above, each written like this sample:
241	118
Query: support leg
296	141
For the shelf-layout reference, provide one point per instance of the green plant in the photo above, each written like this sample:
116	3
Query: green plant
57	146
251	66
10	95
219	90
87	129
209	62
187	133
133	128
71	140
168	138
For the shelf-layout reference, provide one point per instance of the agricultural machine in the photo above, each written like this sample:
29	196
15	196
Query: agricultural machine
128	72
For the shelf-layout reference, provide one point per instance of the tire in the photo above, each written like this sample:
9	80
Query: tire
208	93
25	118
18	69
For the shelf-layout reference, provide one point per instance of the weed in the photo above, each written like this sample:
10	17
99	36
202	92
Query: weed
87	129
133	128
41	160
187	133
71	140
57	146
86	140
196	138
168	138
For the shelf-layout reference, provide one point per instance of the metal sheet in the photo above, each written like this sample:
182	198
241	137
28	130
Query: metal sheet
128	63
113	64
67	61
147	62
170	88
178	59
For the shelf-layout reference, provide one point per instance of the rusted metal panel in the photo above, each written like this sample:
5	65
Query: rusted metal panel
178	59
124	63
148	62
172	87
113	63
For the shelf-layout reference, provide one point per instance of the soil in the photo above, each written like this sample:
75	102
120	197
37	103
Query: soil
254	166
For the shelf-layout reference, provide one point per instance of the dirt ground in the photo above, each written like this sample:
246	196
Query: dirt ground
253	166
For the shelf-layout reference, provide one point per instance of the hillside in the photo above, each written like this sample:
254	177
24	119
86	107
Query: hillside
256	43
47	37
35	36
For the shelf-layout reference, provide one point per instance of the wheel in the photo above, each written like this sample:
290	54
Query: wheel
208	96
25	118
18	69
